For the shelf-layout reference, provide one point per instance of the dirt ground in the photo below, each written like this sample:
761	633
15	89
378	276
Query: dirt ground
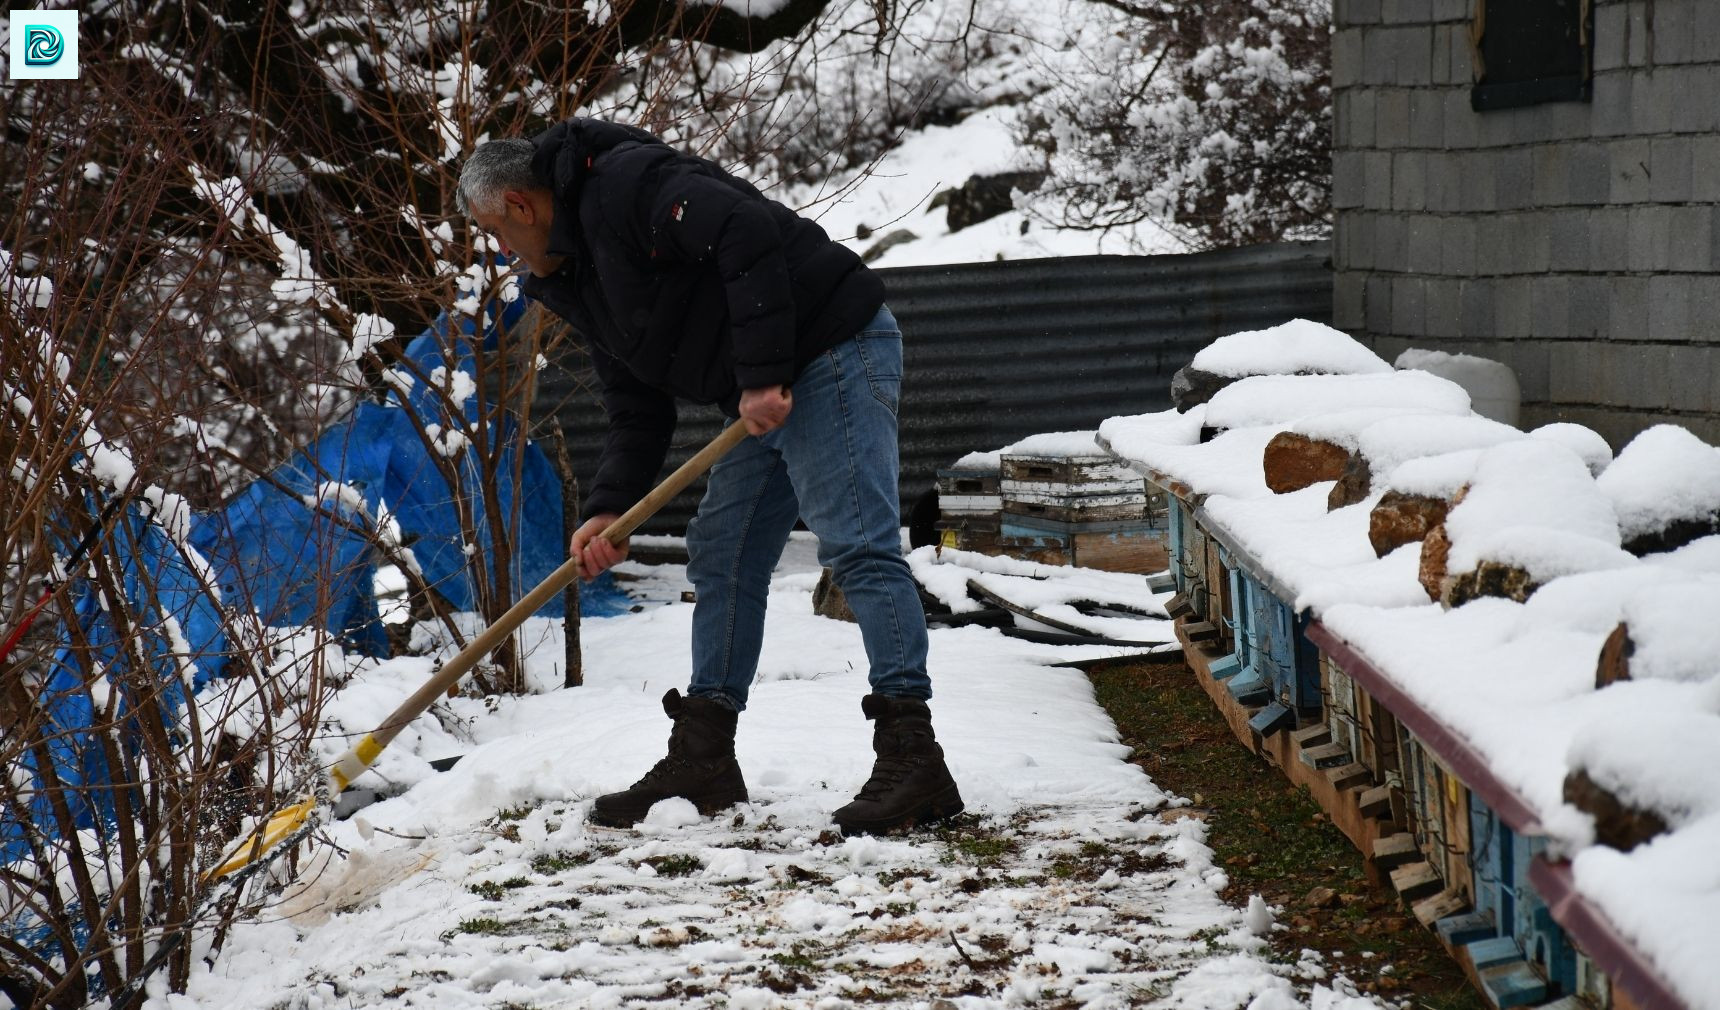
1274	841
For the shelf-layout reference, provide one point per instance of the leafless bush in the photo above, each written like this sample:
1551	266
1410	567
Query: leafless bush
212	247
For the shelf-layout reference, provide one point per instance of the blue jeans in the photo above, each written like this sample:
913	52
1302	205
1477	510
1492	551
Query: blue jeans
834	464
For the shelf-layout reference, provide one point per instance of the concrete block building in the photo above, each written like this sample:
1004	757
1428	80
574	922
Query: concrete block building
1538	182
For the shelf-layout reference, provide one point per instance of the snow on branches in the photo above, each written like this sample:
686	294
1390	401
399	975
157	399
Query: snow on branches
1217	121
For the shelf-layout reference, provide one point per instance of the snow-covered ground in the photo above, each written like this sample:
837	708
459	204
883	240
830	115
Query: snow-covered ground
1071	881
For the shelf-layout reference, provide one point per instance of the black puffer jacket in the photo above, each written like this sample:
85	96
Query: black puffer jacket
685	282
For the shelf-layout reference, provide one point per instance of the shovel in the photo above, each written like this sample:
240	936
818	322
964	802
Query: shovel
353	763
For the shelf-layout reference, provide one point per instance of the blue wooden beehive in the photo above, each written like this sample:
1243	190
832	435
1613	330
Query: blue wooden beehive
1280	668
1185	550
1500	860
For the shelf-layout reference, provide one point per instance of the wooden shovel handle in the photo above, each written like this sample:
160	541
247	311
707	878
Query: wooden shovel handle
505	625
674	484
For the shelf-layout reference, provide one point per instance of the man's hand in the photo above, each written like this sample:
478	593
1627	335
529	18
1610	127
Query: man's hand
594	554
766	408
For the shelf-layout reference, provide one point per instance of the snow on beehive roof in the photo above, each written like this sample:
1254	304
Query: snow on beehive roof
1056	443
1519	487
1665	474
1344	427
1167	445
1283	399
1438	476
1070	444
1585	442
1298	346
1643	760
1393	440
1666	644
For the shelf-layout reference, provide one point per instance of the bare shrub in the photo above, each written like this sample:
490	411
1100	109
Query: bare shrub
213	246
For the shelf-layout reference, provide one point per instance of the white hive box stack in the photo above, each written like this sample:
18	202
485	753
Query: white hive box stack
969	503
1066	500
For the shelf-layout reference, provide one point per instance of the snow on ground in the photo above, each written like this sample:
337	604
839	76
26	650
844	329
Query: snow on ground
1072	878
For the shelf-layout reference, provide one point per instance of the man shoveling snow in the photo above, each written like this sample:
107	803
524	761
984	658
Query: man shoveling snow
687	283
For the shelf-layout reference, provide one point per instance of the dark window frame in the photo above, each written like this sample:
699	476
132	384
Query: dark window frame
1573	83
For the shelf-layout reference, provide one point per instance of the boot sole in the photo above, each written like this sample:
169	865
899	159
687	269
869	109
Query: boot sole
941	807
707	806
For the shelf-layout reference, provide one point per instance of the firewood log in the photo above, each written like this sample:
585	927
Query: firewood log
1293	462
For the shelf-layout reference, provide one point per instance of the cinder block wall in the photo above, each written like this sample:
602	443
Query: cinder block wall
1577	242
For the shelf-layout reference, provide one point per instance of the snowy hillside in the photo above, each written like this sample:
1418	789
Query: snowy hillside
898	193
947	102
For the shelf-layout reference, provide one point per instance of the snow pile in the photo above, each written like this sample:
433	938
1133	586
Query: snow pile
1533	505
1585	442
1228	464
1392	441
1666	643
1298	347
1344	428
1664	476
1439	476
1145	431
1281	399
1645	760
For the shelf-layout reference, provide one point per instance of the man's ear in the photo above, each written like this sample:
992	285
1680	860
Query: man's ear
519	203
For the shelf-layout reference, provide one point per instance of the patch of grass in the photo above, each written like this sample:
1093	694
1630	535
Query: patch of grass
678	865
890	878
551	863
785	982
801	956
990	952
1095	859
518	812
976	843
1272	839
493	890
481	926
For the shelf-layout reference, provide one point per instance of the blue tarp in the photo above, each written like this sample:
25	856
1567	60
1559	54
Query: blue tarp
291	562
272	549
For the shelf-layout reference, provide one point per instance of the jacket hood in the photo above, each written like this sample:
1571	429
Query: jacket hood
565	150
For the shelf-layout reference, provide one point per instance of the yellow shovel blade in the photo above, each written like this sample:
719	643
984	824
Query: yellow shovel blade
283	823
289	819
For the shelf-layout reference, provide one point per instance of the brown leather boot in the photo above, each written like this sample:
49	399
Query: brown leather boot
700	765
910	783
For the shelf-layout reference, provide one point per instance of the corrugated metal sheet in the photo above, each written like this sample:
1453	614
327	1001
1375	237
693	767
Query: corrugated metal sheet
999	351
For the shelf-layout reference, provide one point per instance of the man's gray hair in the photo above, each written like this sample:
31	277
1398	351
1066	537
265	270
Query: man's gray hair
493	168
